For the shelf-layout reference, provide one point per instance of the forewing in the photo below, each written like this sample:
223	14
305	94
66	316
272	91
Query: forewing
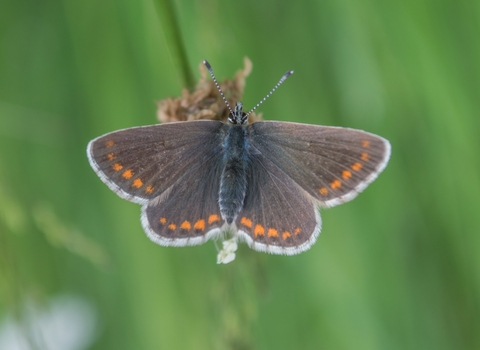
278	216
331	164
140	164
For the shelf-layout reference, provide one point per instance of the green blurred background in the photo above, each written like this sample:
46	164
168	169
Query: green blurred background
397	268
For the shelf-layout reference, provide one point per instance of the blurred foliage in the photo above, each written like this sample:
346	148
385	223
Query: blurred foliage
397	268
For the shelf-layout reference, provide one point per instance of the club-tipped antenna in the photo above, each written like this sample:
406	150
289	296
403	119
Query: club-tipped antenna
210	70
284	77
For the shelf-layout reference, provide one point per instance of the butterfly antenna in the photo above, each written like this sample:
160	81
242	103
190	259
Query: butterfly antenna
210	70
284	77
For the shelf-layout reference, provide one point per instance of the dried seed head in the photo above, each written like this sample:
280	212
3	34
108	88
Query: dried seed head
206	102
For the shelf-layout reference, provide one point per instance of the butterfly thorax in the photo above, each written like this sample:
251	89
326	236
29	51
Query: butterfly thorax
233	183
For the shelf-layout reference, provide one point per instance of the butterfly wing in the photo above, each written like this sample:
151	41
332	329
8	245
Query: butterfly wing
173	170
294	169
140	163
278	216
188	213
331	164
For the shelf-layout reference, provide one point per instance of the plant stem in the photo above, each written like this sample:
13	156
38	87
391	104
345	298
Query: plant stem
173	37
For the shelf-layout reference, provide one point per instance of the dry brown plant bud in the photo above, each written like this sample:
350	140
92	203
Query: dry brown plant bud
205	102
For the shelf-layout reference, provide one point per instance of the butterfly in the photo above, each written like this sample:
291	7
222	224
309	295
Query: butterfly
263	182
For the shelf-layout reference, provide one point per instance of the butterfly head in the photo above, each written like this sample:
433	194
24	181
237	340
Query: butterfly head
238	116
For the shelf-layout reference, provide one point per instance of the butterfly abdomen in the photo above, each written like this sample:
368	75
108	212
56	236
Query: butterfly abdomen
233	183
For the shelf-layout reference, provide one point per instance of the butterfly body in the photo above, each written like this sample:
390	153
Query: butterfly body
233	183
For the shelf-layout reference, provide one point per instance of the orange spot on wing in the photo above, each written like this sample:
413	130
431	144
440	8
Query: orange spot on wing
186	225
137	183
117	167
365	156
335	184
272	232
259	230
297	231
111	156
109	143
286	234
323	191
149	189
163	221
366	143
127	174
346	174
357	166
213	218
199	225
172	226
246	222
